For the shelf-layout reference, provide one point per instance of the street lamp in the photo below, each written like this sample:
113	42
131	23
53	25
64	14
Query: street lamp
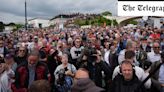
25	15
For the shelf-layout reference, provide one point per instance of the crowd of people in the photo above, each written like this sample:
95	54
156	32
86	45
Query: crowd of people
98	59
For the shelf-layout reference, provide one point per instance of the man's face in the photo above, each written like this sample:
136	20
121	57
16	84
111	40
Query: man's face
32	60
127	71
156	48
21	52
1	43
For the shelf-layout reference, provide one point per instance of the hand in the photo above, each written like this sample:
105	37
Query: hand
69	73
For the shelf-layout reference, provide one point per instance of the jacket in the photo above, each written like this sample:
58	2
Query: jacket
121	85
22	76
85	85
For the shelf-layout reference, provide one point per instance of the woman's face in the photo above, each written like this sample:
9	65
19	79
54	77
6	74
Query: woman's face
64	59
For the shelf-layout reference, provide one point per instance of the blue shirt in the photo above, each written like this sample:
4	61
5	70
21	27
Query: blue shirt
161	74
31	74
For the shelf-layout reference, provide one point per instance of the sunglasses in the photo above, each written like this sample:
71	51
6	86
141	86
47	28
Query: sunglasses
22	50
156	47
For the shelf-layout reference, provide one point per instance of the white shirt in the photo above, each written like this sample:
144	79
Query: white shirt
152	57
70	67
161	73
5	81
73	54
106	56
139	73
121	56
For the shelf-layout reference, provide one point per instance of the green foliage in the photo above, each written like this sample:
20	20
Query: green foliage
2	26
133	22
11	24
98	20
18	26
115	22
107	13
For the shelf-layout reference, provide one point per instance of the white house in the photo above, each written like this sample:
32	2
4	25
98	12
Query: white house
38	23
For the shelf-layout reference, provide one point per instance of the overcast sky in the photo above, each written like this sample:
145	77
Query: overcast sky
13	10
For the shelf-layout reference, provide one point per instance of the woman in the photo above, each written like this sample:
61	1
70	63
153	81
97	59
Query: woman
64	74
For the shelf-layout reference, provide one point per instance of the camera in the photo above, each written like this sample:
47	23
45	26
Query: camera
61	77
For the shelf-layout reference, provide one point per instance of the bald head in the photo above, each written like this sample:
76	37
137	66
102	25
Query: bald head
82	73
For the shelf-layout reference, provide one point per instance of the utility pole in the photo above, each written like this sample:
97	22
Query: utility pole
25	15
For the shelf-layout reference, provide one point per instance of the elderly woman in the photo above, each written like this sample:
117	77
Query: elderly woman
64	74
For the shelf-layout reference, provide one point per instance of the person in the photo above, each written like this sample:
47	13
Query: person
6	77
99	70
26	73
130	45
21	55
154	55
3	49
82	82
64	74
40	86
158	78
127	81
140	73
9	59
76	50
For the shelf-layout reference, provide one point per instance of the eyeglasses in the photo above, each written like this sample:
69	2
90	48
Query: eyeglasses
22	50
156	47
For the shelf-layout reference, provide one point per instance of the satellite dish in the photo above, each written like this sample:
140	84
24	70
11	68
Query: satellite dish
145	18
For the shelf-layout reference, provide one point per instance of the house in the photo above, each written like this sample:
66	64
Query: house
38	23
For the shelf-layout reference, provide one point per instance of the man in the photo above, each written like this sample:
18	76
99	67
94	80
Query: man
82	82
40	86
6	75
127	81
21	56
3	49
144	45
154	55
129	46
27	73
129	56
158	77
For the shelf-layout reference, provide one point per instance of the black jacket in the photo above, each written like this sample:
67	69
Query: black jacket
120	85
95	72
85	85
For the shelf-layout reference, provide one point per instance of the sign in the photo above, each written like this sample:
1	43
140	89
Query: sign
140	8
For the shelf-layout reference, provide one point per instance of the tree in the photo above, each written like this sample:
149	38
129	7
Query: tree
115	23
11	24
2	26
133	22
106	13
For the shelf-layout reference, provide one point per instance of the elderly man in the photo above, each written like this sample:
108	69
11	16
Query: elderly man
158	77
27	73
82	82
129	46
154	55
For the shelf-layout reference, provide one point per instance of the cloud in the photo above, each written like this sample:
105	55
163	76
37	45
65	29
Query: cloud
50	8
